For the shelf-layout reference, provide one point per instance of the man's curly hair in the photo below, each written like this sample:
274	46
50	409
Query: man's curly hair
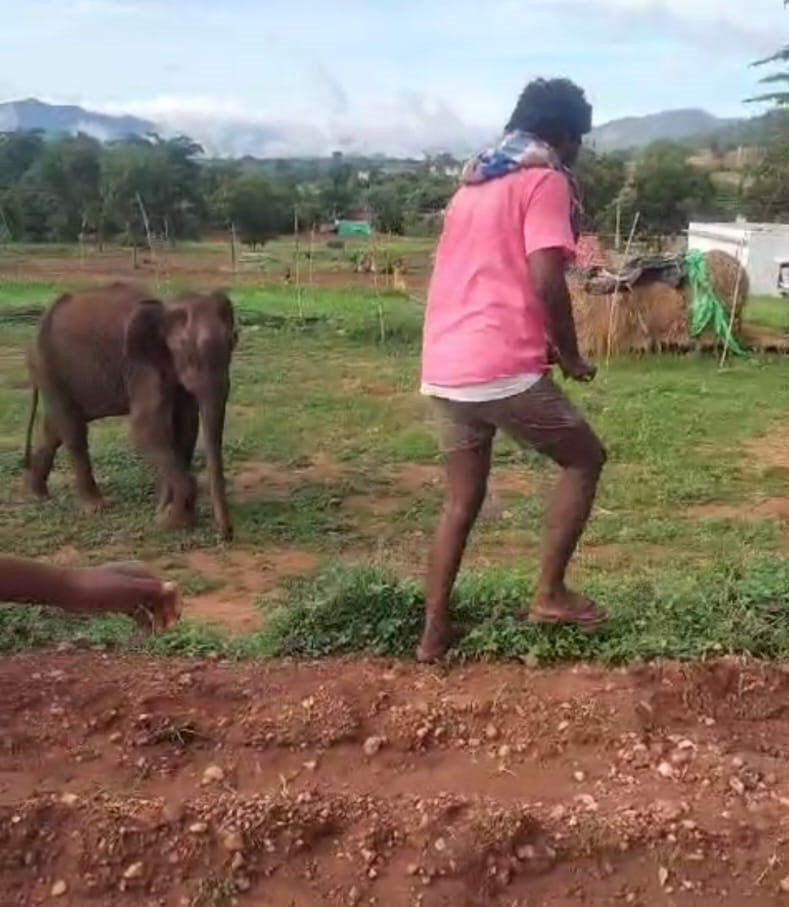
553	110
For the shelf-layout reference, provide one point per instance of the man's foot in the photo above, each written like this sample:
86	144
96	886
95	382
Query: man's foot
436	641
566	607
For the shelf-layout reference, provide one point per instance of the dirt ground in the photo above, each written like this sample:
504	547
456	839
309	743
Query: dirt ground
133	782
208	269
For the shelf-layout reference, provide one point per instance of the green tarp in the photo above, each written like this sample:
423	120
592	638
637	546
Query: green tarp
354	228
706	310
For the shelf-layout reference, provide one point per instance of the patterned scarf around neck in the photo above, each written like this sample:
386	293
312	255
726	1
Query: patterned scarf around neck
517	150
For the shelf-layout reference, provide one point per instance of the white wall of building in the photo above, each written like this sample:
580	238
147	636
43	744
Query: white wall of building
759	248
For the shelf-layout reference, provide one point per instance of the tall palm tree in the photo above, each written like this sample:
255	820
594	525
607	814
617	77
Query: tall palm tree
776	95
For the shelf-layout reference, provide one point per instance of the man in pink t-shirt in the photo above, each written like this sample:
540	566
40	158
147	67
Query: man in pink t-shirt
498	312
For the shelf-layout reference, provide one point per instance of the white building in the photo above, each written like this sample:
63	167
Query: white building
762	249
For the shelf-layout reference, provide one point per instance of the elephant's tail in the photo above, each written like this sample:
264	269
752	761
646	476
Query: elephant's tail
30	423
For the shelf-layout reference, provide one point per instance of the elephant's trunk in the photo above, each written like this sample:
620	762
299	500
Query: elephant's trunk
212	416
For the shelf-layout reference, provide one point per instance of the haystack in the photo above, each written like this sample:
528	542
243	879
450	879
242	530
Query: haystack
653	316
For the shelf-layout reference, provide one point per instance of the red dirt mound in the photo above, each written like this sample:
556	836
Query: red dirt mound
136	782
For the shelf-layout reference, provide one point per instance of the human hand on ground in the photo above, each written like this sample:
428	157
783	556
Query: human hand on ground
133	589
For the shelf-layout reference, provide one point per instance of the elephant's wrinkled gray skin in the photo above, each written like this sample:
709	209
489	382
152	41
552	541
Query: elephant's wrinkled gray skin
116	350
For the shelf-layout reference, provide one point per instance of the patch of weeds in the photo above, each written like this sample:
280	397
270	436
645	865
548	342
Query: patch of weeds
192	640
23	628
735	608
345	610
721	609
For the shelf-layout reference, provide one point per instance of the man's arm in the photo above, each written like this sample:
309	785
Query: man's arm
28	582
549	245
112	588
547	269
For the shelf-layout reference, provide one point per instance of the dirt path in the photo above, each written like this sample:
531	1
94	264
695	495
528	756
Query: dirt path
131	782
209	269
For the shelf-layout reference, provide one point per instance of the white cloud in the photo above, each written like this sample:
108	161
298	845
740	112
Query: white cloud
308	77
407	124
746	26
104	7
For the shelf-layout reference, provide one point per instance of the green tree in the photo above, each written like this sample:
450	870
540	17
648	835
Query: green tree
340	192
27	210
386	204
668	192
153	180
778	92
309	213
217	178
602	178
18	152
259	208
766	195
68	173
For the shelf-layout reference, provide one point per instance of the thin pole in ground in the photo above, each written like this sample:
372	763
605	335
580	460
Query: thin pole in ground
730	329
377	289
297	262
149	237
616	293
233	248
310	261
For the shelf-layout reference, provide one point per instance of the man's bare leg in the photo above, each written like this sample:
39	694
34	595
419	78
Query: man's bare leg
568	512
467	473
543	419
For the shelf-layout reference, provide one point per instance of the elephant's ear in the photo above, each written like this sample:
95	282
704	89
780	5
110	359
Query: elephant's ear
227	314
145	337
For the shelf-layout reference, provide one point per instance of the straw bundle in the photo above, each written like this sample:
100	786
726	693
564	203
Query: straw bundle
723	269
652	316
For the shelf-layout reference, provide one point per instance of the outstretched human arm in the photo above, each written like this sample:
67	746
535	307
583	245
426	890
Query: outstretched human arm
124	588
549	244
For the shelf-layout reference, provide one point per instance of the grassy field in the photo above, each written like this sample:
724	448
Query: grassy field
334	467
770	312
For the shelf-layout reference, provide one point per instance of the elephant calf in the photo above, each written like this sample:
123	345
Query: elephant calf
115	351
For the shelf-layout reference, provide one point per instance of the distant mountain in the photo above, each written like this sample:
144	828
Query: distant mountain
52	119
264	140
688	126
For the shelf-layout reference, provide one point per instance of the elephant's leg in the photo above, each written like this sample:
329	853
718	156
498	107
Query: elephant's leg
43	459
154	438
167	496
88	494
73	430
185	428
186	423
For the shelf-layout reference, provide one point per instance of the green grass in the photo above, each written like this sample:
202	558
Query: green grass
769	312
332	377
725	609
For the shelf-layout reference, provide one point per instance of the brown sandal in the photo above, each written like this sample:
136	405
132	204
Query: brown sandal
587	618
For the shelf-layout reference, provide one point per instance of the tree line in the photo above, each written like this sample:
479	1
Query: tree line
73	188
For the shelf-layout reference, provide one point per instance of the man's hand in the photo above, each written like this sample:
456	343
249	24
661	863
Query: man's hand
129	588
547	270
578	370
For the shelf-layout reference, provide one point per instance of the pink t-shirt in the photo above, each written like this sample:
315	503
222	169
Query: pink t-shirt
483	320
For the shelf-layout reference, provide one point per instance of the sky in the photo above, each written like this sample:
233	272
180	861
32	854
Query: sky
306	76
